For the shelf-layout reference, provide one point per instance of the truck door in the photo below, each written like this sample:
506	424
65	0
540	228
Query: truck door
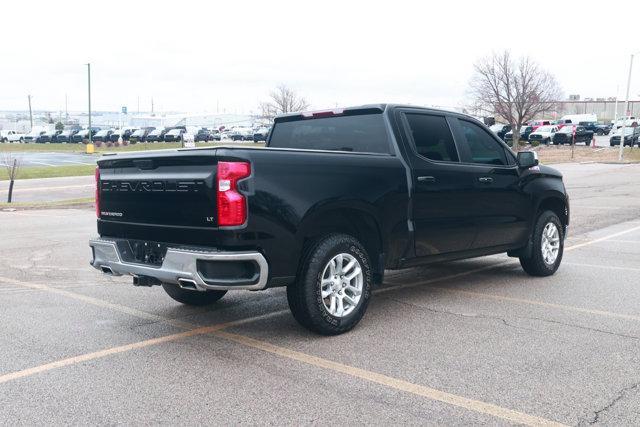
441	186
500	208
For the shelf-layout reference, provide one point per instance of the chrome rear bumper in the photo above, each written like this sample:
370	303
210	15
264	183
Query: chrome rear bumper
178	267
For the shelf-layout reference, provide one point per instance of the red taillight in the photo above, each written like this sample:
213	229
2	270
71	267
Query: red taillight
97	192
232	206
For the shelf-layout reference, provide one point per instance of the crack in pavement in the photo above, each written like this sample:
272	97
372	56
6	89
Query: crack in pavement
573	325
503	320
453	313
619	396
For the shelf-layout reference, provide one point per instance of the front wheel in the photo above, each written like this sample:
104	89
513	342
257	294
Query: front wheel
333	286
548	246
188	297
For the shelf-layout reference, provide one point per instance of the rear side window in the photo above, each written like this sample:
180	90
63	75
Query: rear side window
482	147
358	133
432	137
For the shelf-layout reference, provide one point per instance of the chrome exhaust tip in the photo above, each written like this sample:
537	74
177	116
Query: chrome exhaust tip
106	270
188	284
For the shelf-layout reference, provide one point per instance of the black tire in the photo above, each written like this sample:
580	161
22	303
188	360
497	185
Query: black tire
188	297
547	141
535	265
600	132
305	296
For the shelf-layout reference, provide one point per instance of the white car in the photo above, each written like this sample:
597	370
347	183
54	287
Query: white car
628	122
544	134
11	136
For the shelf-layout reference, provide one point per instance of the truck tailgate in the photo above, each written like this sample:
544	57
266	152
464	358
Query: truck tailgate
162	188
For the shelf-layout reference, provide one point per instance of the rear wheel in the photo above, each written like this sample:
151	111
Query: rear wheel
333	287
188	297
548	246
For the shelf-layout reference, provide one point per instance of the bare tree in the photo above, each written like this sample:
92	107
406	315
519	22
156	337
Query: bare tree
12	165
514	90
282	100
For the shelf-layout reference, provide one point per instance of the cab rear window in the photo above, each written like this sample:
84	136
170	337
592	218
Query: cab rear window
364	133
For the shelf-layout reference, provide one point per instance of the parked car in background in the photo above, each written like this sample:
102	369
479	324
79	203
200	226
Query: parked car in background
261	134
65	136
597	128
140	135
215	135
4	134
46	137
83	135
569	134
54	138
203	135
156	135
631	136
174	135
629	121
114	138
103	135
575	119
33	135
544	134
241	134
126	133
525	131
500	129
12	136
535	124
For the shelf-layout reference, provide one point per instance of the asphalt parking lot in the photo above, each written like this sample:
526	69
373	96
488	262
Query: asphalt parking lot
29	159
49	189
470	342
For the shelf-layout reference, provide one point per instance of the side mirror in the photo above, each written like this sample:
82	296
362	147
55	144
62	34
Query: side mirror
527	159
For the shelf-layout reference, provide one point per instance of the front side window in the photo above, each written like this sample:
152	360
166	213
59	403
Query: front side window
481	146
432	137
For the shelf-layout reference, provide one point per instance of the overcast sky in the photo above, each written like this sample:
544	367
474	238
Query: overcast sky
201	55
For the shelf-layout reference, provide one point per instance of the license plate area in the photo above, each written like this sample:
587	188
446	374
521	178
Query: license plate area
143	252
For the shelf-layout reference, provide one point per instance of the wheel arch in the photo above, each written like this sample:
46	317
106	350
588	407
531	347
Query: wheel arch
556	203
355	219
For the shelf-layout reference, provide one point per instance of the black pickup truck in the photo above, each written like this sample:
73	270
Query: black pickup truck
335	199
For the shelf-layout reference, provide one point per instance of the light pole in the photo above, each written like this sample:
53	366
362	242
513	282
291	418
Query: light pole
626	110
90	144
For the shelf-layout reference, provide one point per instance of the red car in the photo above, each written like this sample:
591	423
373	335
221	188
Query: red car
537	123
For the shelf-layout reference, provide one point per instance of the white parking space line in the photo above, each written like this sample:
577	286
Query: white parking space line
606	267
597	207
216	330
72	161
38	163
62	187
565	307
601	239
515	417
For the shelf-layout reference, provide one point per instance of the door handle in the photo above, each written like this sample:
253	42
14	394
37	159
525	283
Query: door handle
427	179
485	180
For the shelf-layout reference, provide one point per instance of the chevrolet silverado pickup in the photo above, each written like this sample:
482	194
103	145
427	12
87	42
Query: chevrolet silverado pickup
334	199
